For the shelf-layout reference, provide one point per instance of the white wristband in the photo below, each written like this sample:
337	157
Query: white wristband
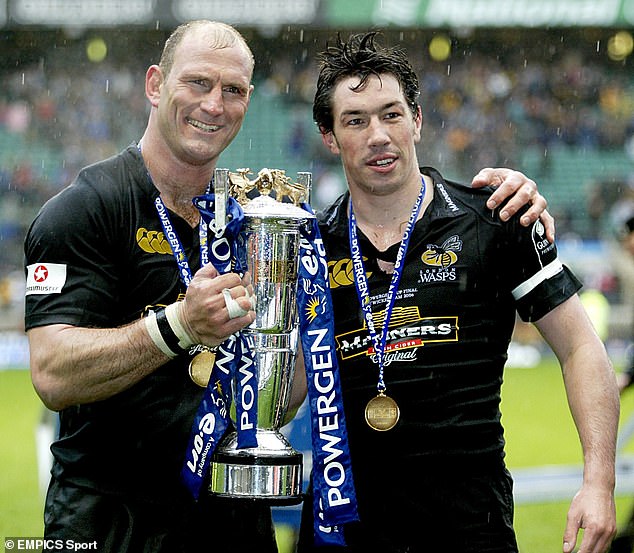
153	330
185	339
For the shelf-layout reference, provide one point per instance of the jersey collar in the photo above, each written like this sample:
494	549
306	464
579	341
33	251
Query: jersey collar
141	176
443	205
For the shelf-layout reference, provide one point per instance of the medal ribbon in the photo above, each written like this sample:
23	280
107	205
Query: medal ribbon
334	497
184	270
363	289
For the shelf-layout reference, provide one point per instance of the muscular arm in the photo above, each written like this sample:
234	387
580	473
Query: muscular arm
72	365
594	403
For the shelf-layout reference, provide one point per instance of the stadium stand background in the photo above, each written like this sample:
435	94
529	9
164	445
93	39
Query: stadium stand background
552	102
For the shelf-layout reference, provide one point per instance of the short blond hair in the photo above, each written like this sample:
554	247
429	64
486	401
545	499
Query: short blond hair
221	35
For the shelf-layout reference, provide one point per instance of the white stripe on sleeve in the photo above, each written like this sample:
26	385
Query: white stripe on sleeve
545	273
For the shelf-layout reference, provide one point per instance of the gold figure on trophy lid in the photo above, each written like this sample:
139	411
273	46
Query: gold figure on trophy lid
269	182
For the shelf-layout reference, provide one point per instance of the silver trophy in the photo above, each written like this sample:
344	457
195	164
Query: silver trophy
272	471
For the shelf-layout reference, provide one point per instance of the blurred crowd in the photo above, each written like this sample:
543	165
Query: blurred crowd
492	112
54	120
480	109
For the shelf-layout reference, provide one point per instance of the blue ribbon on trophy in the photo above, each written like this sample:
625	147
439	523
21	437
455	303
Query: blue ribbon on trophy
212	417
334	497
226	254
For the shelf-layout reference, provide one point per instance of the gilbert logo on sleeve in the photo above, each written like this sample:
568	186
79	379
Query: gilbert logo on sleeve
45	278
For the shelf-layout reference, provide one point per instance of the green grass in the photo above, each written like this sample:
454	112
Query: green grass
539	431
20	496
538	425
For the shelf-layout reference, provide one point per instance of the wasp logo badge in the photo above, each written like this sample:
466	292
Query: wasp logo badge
444	255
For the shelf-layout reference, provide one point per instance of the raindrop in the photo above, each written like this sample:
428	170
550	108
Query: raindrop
107	86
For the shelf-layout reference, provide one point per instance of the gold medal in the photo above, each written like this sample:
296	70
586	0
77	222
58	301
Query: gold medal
200	367
382	413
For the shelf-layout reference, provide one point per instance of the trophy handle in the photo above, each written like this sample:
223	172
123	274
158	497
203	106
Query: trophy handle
221	191
305	178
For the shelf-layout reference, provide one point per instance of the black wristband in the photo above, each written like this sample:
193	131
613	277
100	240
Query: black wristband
167	333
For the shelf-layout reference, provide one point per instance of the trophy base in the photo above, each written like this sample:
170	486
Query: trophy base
271	472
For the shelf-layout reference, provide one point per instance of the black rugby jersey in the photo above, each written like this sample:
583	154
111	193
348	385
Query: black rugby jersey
101	243
465	275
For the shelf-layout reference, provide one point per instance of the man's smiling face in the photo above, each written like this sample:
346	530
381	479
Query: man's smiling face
204	98
375	133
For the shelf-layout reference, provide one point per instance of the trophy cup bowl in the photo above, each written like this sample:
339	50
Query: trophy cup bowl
272	471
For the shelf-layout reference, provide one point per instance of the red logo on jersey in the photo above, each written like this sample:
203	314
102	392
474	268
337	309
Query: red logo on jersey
40	274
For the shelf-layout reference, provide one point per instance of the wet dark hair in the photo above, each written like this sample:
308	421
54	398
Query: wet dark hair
360	57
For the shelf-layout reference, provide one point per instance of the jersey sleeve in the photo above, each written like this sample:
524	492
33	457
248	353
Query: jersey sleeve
539	280
70	269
